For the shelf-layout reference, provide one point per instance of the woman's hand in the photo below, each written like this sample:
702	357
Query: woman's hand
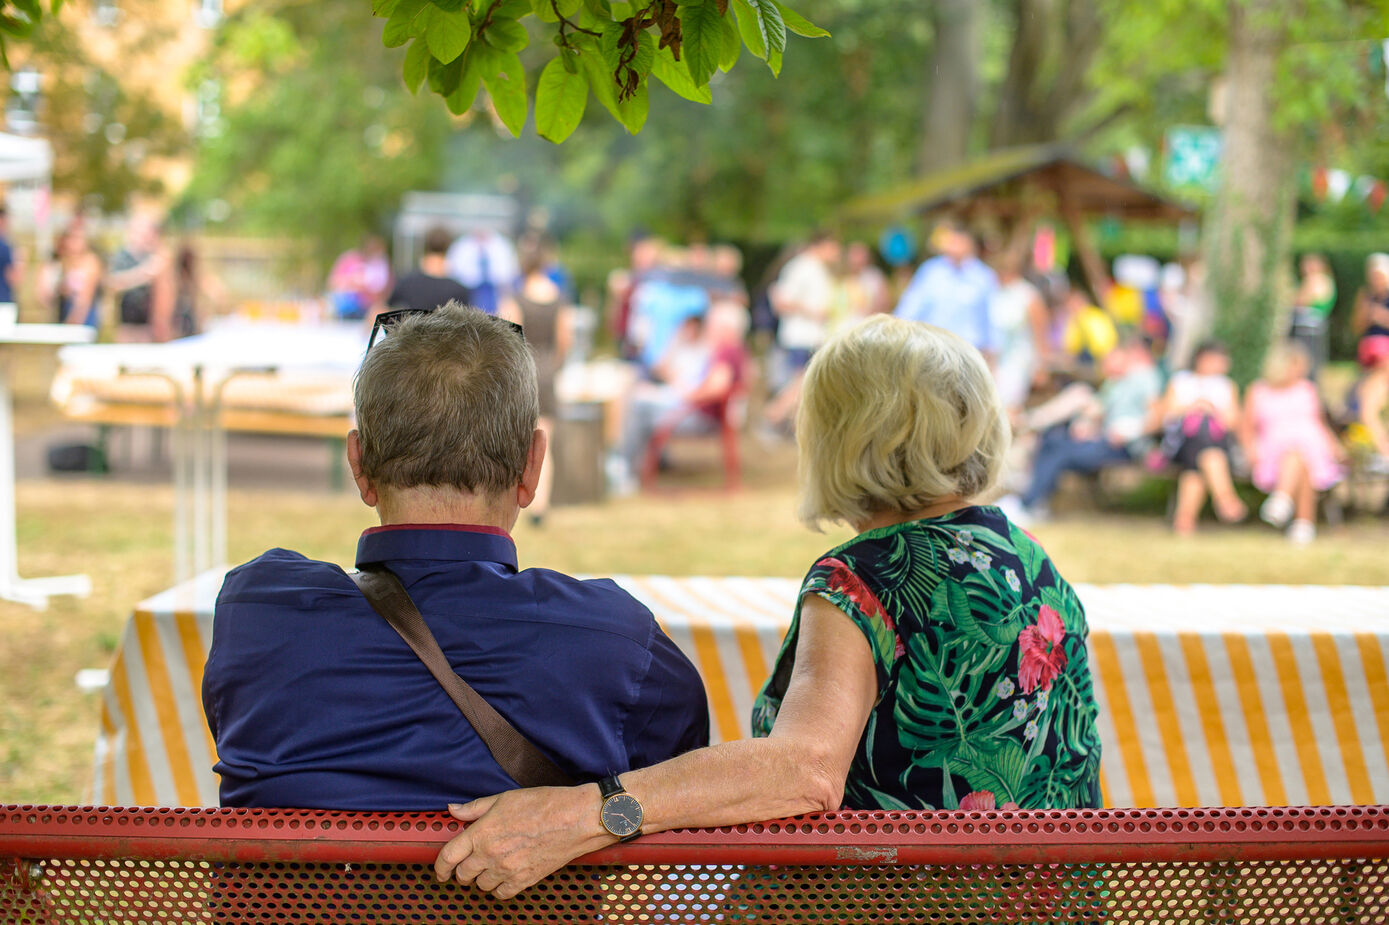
520	837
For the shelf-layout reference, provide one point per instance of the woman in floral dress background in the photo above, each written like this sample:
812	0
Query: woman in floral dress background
935	661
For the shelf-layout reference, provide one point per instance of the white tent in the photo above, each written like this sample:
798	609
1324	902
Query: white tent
24	159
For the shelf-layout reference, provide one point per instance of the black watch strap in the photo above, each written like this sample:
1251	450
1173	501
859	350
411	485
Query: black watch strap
610	786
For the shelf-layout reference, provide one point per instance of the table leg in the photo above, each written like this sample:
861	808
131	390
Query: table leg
32	591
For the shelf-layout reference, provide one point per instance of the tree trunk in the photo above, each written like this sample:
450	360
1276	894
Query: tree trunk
953	83
1249	230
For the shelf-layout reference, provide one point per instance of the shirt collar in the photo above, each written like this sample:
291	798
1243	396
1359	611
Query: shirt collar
440	542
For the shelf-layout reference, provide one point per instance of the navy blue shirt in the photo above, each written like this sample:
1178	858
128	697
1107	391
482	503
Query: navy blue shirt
315	701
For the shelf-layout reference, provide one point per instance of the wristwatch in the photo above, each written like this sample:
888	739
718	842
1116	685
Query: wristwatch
620	814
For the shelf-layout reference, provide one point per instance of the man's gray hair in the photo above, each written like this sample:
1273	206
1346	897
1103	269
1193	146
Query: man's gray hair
447	399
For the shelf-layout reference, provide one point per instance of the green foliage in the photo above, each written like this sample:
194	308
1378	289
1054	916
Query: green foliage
610	48
19	19
320	140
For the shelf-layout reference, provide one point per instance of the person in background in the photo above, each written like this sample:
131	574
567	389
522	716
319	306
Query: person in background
539	306
1292	453
1019	316
1087	332
1368	403
9	267
665	300
802	297
952	291
360	280
1200	413
194	288
73	284
1316	297
874	701
143	278
1182	292
705	365
866	283
429	286
1371	315
315	701
1109	429
726	282
485	261
643	256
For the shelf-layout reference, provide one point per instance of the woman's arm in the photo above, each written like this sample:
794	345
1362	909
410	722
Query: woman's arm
1246	423
522	836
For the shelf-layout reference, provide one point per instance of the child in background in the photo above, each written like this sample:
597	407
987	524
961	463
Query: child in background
1292	453
1199	413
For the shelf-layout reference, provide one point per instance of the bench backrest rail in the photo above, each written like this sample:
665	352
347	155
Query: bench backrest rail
1218	865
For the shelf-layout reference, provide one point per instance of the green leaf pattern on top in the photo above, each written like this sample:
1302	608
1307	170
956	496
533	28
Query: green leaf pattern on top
985	697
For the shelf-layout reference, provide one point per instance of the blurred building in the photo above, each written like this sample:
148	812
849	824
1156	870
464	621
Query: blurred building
113	85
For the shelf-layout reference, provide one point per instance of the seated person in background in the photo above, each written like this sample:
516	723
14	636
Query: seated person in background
430	286
935	661
1367	404
1199	414
315	701
704	366
1087	332
1108	430
1291	451
1370	317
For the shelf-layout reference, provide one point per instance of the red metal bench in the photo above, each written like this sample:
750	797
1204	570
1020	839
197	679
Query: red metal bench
1226	866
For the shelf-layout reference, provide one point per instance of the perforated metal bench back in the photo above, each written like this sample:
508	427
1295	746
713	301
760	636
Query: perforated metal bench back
1227	866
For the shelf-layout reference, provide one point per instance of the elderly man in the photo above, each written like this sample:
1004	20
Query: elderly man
315	701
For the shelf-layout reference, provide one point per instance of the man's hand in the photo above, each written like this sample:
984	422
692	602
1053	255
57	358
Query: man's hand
520	837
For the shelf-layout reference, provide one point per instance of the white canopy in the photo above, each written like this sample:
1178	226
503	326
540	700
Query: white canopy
24	158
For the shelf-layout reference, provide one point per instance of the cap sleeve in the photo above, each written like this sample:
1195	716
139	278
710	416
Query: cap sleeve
835	580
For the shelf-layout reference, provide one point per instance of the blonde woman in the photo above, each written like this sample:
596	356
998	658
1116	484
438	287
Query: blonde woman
937	660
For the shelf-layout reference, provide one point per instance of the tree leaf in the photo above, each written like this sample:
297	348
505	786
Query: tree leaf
506	35
507	87
417	64
404	23
701	30
669	72
631	112
798	23
383	8
560	100
751	27
732	47
470	78
443	78
511	9
449	6
448	34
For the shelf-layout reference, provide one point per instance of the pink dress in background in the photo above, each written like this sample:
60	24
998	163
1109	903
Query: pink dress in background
1288	420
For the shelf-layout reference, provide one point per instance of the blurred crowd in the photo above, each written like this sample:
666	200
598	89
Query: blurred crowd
1131	378
149	288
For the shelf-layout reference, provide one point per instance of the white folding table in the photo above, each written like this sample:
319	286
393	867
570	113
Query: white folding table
32	591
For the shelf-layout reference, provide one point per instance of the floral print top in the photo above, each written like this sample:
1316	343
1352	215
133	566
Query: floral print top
984	692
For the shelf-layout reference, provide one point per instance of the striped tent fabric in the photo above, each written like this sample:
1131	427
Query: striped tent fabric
1209	695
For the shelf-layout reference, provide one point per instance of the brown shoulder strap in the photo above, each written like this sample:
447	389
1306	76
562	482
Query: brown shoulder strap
517	755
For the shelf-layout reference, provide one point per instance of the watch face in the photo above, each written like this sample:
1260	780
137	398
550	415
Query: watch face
622	814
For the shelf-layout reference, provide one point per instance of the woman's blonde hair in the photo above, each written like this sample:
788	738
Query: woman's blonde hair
1280	366
896	415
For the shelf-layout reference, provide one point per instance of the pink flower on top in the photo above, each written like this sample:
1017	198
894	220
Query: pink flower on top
1042	657
843	580
982	800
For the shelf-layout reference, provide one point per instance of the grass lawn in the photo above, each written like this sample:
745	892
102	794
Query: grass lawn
120	534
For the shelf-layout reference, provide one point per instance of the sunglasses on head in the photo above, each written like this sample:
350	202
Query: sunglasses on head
387	320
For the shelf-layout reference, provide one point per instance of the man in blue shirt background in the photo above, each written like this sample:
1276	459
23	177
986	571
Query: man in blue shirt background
952	291
315	701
